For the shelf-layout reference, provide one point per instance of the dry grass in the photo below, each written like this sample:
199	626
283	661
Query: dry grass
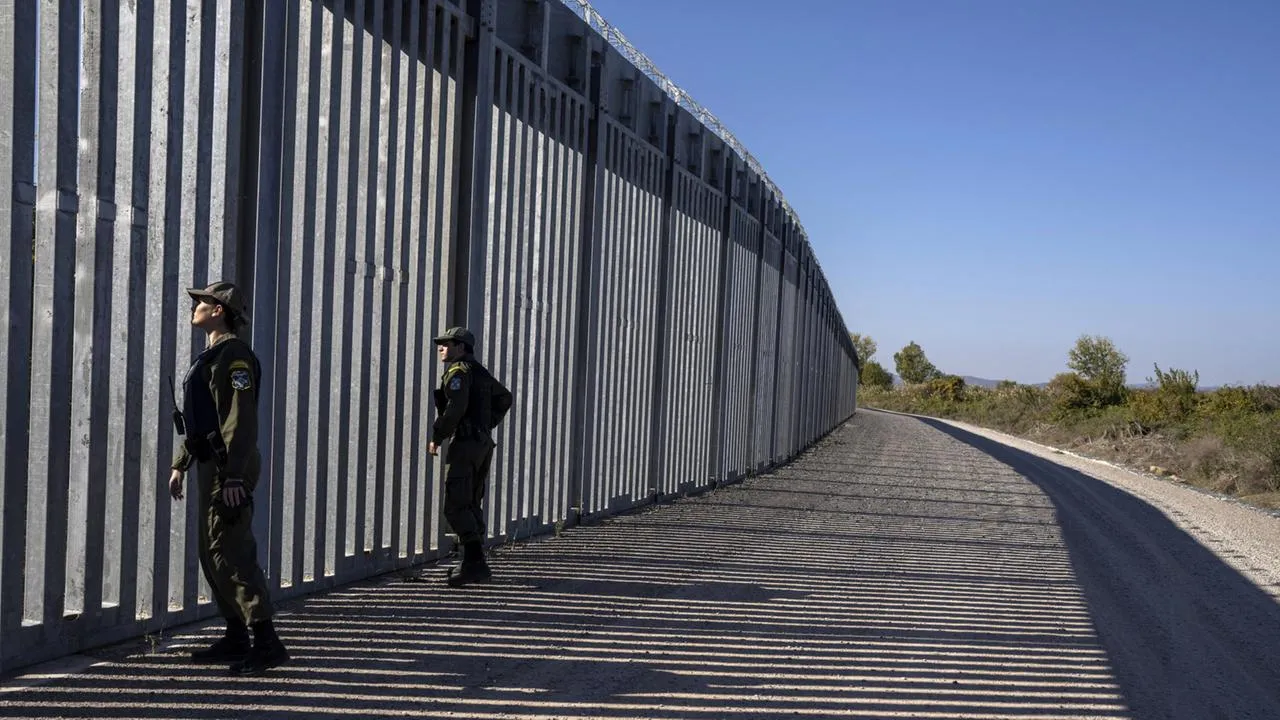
1227	446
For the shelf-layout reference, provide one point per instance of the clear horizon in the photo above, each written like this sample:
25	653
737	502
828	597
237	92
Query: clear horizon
993	179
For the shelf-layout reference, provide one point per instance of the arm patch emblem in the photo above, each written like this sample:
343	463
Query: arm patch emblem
241	379
455	384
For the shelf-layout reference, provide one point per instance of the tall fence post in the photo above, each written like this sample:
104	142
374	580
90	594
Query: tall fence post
593	190
265	78
754	194
477	122
725	169
19	67
661	348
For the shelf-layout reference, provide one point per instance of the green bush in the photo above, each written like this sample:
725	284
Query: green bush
950	388
874	375
1176	392
1147	409
1226	402
1257	433
1068	392
1266	397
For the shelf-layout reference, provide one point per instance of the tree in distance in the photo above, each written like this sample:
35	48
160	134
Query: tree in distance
1096	359
913	366
864	346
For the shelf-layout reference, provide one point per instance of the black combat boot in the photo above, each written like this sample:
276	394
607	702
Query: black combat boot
231	647
267	651
473	568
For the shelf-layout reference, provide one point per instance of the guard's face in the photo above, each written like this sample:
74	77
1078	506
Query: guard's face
449	351
205	314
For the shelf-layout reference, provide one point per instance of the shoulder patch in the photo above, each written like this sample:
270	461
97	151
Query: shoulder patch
241	378
239	365
455	383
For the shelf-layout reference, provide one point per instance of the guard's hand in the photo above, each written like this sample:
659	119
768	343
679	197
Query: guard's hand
175	484
433	449
233	492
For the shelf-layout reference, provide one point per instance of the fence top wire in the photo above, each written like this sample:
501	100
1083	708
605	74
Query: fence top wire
593	18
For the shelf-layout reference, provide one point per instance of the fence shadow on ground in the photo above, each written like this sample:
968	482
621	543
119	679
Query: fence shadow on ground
816	591
1188	636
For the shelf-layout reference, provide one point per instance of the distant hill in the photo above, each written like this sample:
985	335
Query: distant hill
973	381
968	380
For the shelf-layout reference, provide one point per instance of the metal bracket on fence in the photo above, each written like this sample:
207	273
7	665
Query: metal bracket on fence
24	194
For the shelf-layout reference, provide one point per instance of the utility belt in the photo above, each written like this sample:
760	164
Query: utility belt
209	447
468	430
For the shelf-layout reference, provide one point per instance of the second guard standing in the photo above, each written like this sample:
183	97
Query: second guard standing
470	403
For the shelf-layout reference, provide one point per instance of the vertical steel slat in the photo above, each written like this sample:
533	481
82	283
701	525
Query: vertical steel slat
439	251
190	245
540	340
497	275
548	279
119	67
296	230
616	411
530	197
553	362
163	212
521	315
417	356
361	265
379	208
347	88
102	413
18	47
131	288
519	300
385	457
609	408
215	99
57	206
452	69
511	183
318	557
396	463
573	289
83	553
565	241
519	189
268	262
627	287
406	413
578	285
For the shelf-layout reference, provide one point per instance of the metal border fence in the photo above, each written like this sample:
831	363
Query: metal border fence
371	171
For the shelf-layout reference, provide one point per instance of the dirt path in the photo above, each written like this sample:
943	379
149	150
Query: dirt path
902	568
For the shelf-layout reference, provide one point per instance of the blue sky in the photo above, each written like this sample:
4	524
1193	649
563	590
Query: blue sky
994	178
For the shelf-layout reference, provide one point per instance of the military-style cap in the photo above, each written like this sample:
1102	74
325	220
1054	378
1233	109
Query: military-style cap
225	294
456	334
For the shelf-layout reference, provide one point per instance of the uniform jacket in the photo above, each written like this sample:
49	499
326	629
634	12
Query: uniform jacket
220	410
470	401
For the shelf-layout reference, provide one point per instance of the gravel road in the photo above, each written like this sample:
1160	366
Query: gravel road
901	568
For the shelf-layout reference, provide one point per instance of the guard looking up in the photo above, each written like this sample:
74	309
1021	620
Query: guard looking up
220	421
469	405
